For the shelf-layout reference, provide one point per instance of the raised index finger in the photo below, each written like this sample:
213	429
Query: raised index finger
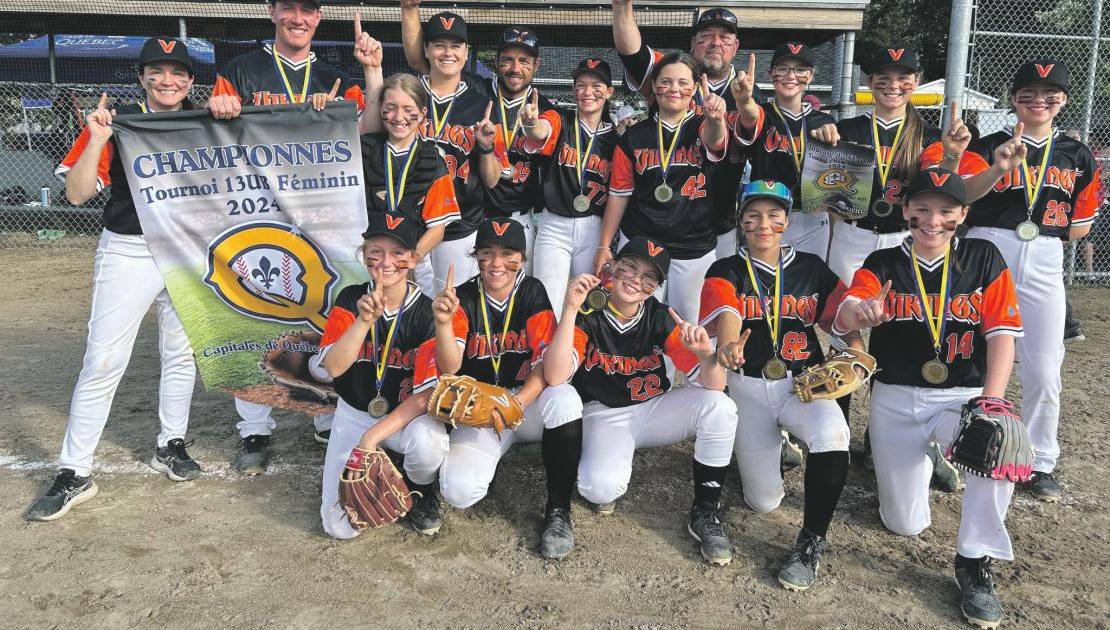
674	315
744	338
953	112
705	84
1019	129
886	289
536	98
358	25
103	104
489	110
450	277
751	65
334	88
376	274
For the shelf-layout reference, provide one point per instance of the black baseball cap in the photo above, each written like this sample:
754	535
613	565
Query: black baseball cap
896	56
521	37
501	231
405	230
445	24
158	49
648	249
1051	71
793	50
600	67
315	3
717	17
937	180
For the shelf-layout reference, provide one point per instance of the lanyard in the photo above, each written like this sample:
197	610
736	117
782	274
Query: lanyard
774	317
285	79
581	160
936	323
395	193
665	154
495	356
797	149
883	164
1033	189
379	368
508	135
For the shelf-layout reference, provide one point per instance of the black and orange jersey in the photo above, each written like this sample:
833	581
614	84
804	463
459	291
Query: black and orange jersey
429	193
687	224
410	364
518	189
620	363
640	64
982	304
770	145
530	328
1070	195
811	293
454	134
119	213
256	79
560	174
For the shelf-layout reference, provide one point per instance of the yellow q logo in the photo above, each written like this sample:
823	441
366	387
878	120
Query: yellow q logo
271	271
836	178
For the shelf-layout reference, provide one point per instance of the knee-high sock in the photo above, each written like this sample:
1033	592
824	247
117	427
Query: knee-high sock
845	403
825	477
708	483
562	448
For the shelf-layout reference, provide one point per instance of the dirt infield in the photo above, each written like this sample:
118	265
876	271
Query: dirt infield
231	552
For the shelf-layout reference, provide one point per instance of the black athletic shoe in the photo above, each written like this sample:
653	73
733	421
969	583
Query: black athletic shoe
172	460
979	602
424	515
1044	486
322	437
558	534
791	455
68	491
799	570
1072	332
706	528
252	454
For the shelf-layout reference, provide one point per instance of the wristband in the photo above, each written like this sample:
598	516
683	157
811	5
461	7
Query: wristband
953	156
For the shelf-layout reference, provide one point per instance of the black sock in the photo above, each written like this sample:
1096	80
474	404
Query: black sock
845	403
562	448
708	483
825	477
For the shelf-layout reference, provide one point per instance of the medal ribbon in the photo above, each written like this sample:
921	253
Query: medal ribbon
143	106
1033	191
797	149
883	165
774	314
580	160
495	357
438	122
699	98
508	135
665	154
379	367
393	195
935	323
285	79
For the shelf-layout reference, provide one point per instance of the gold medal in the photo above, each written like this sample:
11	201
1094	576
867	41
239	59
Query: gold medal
1027	231
882	208
597	298
663	193
774	370
581	203
934	372
378	408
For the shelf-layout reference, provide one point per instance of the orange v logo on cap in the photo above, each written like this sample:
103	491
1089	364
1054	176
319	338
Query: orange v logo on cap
1044	70
167	47
447	22
939	178
500	228
392	222
896	54
795	48
653	249
592	63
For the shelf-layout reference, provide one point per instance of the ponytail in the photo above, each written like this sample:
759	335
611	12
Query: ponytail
908	156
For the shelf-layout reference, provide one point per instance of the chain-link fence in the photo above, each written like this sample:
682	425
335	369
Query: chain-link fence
1076	32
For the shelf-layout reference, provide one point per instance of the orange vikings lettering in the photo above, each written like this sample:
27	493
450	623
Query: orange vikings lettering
964	307
478	346
615	364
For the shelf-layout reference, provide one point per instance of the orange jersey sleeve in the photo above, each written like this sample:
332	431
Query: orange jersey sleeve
580	339
75	152
1000	314
747	138
461	325
971	163
540	328
225	88
440	204
556	121
621	180
865	286
1088	201
339	320
832	304
425	373
717	296
683	359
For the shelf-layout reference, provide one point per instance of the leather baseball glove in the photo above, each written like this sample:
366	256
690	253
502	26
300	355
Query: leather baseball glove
991	441
462	400
371	490
835	377
287	365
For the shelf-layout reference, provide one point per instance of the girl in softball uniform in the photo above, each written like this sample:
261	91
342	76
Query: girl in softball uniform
1045	192
943	316
614	356
576	181
658	185
777	295
379	346
126	282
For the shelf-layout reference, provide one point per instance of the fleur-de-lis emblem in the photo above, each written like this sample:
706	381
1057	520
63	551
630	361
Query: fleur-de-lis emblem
266	273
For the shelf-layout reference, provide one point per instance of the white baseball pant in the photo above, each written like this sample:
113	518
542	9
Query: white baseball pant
474	453
904	420
611	435
528	220
457	253
126	282
255	419
765	406
726	245
1038	270
423	443
564	248
682	289
424	277
849	246
808	232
